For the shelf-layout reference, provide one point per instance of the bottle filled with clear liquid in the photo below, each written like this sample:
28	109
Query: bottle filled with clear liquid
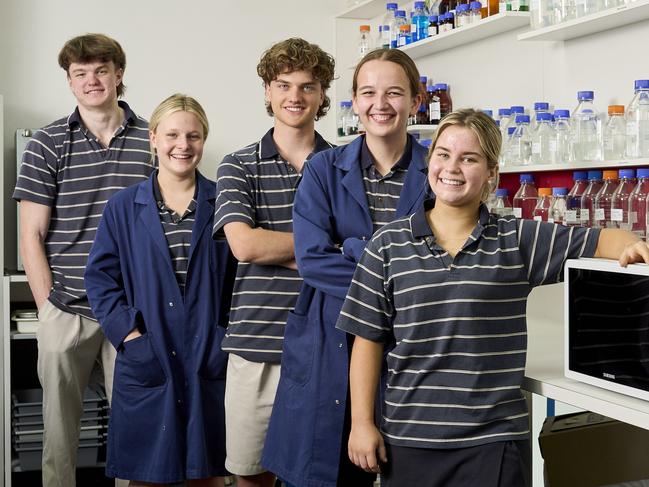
620	200
638	205
603	200
539	107
637	121
506	150
544	143
502	206
558	206
563	135
525	198
342	115
364	42
542	209
595	183
615	133
586	129
521	142
573	200
391	33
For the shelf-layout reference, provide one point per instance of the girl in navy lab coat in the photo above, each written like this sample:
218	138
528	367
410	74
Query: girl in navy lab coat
160	287
449	285
345	195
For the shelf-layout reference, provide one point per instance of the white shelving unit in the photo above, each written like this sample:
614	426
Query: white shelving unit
488	27
576	166
608	19
363	10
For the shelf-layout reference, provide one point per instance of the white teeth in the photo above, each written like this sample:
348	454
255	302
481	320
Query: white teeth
181	156
381	118
452	182
294	109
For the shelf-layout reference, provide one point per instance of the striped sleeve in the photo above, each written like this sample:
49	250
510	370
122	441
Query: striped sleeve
234	202
546	246
37	179
368	310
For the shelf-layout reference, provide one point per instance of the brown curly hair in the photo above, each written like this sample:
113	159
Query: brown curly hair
296	54
90	48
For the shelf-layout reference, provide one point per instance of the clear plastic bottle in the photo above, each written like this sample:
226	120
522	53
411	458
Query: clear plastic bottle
525	198
506	149
383	39
342	115
539	107
587	214
563	134
516	110
404	35
420	20
364	40
544	144
462	16
400	19
521	142
564	10
541	14
351	120
638	205
432	25
620	200
390	20
614	139
502	205
587	7
573	200
637	121
542	209
586	129
558	207
602	204
450	21
475	14
504	116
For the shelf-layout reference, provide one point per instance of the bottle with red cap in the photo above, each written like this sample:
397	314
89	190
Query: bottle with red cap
602	218
542	209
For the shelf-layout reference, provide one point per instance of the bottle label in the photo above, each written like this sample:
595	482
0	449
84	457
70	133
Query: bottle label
402	41
435	110
633	217
571	216
538	218
536	148
585	215
599	214
518	212
617	214
550	220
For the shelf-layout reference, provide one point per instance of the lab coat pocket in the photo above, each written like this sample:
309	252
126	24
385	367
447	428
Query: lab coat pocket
137	364
298	349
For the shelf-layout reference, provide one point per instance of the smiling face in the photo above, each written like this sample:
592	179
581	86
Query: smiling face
94	84
178	141
295	98
383	99
457	170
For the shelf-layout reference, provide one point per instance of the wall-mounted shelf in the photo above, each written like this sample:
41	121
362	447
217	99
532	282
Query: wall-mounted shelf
490	26
363	10
591	24
576	166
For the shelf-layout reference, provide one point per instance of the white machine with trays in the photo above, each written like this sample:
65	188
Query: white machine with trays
607	325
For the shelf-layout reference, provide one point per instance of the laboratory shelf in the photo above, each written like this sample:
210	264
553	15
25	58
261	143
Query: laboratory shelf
591	24
576	166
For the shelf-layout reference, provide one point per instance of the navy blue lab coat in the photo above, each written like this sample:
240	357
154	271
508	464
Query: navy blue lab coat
167	415
330	210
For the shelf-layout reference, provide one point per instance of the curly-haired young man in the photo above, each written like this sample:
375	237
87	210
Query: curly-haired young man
256	186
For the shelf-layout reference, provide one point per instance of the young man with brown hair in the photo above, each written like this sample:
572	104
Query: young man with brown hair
256	186
70	169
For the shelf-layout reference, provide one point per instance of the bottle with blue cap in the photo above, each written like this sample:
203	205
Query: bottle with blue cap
586	129
462	15
502	206
506	148
525	198
637	121
521	142
504	116
558	206
351	120
563	137
638	205
342	113
397	36
620	200
420	21
544	140
573	200
539	107
390	21
475	13
587	213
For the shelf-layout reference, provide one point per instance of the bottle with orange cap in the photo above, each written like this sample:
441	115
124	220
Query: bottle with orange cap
542	209
615	133
602	218
364	41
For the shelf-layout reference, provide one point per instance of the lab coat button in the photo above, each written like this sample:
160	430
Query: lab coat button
171	304
340	345
337	401
173	353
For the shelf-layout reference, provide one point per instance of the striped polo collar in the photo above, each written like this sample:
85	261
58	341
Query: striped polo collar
404	161
129	117
268	149
421	229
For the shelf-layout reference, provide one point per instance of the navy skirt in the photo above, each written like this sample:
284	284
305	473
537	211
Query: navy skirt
500	464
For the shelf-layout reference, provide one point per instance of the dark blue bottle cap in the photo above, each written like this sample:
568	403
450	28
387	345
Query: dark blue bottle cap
626	173
423	79
432	18
391	6
579	176
594	175
488	112
426	142
526	178
504	112
474	5
462	8
522	119
517	109
585	95
559	191
510	130
420	5
442	86
643	173
501	192
544	116
642	84
400	13
562	114
541	105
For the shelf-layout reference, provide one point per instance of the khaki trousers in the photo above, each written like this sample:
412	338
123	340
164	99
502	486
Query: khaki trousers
68	346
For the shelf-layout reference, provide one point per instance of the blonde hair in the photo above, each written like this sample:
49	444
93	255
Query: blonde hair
178	103
487	132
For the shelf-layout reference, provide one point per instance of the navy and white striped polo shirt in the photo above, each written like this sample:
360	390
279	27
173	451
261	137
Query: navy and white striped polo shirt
383	191
455	373
256	186
65	167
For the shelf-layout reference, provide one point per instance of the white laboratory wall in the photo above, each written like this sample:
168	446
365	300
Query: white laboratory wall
207	49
